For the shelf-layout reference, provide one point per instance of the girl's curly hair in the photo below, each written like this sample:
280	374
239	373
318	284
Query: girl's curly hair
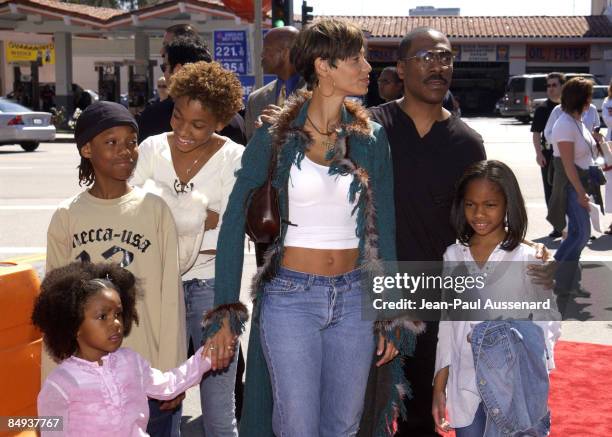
216	88
58	311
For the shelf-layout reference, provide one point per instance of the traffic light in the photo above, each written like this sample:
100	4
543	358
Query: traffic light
282	13
306	13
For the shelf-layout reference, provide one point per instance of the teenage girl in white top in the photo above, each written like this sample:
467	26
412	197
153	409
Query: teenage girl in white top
491	222
194	159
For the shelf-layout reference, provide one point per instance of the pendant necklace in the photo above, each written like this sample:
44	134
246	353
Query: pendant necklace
196	161
327	143
181	187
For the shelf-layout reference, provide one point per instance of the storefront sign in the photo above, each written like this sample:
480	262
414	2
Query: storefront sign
382	54
481	53
231	50
551	53
24	52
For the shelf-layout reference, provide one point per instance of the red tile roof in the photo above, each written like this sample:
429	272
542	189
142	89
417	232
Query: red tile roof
215	5
73	9
596	26
104	15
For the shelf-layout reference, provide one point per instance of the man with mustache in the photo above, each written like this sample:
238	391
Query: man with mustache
430	148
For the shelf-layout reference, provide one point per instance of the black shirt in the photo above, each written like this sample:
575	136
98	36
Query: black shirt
448	102
155	119
426	171
540	117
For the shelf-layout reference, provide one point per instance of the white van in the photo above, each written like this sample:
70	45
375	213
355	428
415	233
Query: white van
523	90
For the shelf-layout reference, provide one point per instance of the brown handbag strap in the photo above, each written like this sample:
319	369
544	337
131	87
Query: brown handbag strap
272	163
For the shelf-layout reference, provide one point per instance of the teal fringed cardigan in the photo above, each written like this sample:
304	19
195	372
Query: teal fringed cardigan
369	150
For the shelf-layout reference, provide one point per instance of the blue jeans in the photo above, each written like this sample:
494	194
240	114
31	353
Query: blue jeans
318	351
164	423
477	428
217	388
578	234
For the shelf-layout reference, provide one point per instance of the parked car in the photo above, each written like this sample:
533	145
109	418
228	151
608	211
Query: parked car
523	93
499	104
600	92
20	125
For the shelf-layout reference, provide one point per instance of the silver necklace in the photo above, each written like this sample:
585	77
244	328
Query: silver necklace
196	161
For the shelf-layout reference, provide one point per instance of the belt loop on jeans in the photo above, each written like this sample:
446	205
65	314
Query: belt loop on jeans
347	279
309	281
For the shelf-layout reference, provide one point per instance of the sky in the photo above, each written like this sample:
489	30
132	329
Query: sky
467	7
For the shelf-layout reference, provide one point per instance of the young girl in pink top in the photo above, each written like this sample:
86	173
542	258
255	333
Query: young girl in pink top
100	389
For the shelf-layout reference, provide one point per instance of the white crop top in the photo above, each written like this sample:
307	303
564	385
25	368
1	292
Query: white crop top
319	209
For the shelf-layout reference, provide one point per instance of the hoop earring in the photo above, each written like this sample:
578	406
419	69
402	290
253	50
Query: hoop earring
332	92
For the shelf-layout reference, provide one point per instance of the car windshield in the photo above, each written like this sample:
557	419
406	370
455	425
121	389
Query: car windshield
539	84
600	92
516	84
8	106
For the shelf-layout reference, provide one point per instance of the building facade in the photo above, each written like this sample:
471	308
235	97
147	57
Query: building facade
488	50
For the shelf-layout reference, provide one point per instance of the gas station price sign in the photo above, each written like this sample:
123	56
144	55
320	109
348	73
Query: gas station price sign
231	50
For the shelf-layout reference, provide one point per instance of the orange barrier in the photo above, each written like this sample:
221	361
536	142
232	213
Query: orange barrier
20	343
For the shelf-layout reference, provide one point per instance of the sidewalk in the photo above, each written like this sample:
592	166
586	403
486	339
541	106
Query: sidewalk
64	137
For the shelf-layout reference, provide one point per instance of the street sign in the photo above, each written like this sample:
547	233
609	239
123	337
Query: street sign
231	50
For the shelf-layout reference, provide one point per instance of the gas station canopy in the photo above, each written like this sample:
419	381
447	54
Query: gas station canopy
48	16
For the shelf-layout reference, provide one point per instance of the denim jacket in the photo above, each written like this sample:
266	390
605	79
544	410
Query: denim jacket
512	351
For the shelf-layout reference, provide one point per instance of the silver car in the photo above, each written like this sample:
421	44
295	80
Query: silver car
20	125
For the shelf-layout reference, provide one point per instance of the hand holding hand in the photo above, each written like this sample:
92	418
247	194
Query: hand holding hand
221	347
172	403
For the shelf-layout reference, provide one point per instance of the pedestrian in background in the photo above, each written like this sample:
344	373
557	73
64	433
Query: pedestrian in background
182	45
574	150
162	88
606	114
390	86
270	98
542	146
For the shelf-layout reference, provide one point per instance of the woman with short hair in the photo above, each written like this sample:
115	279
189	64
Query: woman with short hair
574	149
606	114
334	178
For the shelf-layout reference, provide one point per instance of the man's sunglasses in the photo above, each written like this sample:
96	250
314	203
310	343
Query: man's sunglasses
428	57
552	85
163	67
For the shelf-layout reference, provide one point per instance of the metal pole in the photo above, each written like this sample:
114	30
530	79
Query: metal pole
257	45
